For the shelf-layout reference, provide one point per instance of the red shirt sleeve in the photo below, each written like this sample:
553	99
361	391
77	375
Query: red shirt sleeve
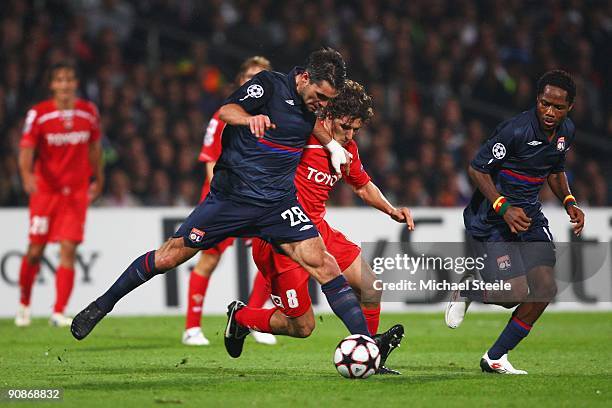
31	129
211	145
357	176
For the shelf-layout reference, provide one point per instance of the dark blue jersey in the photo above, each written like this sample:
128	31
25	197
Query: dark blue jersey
519	158
261	171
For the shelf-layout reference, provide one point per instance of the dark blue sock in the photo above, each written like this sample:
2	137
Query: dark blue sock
345	305
515	331
139	271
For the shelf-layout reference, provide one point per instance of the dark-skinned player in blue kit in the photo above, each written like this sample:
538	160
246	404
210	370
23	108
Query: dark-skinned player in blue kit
269	119
504	219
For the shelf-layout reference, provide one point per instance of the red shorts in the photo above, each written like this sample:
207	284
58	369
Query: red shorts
220	248
288	280
57	217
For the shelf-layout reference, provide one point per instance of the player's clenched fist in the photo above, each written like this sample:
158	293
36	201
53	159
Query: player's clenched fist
517	220
403	214
259	124
576	218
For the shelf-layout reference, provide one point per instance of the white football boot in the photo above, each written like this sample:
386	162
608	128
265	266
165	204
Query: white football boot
457	306
263	338
195	337
60	320
22	319
501	366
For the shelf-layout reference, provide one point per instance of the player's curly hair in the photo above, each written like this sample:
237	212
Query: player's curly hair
328	65
255	61
560	79
352	101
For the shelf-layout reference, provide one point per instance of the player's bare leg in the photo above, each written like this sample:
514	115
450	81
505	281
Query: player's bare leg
64	282
30	264
171	254
198	283
301	326
312	255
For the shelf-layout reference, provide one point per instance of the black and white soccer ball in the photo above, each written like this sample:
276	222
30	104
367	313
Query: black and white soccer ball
357	356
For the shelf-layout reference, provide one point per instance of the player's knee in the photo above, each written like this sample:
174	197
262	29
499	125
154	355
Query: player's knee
304	328
206	264
545	291
34	254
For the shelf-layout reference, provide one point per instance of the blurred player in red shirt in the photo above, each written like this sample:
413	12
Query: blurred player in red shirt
209	258
60	151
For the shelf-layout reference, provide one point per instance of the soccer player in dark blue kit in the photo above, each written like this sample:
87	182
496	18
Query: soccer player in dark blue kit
504	219
252	194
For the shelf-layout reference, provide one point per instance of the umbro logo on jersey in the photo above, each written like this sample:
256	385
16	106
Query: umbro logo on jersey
306	227
534	143
290	102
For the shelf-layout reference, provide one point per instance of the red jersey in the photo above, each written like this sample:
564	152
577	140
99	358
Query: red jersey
315	177
61	139
211	146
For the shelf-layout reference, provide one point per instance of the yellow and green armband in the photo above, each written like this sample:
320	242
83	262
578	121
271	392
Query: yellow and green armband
500	206
569	200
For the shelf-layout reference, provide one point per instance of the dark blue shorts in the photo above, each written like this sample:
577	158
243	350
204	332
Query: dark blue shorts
218	218
508	255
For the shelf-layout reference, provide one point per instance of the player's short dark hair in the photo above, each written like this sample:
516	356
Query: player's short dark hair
61	65
255	61
328	65
352	101
560	79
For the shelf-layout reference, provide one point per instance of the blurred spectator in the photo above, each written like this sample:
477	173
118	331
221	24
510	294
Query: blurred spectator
443	74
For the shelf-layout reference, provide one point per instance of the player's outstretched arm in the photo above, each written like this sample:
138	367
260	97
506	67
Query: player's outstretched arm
26	162
95	160
515	217
235	115
372	196
560	187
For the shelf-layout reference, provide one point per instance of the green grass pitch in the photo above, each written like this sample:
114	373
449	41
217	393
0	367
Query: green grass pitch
141	362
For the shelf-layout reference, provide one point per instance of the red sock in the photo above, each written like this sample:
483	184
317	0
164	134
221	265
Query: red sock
255	318
372	317
260	292
27	274
64	281
197	290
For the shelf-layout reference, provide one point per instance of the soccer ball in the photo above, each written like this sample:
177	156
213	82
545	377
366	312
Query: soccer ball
357	356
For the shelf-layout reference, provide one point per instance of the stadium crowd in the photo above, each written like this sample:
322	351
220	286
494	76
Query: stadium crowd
442	75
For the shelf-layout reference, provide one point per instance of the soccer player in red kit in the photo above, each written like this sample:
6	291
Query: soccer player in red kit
209	258
314	179
60	151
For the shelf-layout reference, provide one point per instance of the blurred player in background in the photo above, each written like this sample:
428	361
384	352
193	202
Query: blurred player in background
209	258
505	222
314	179
59	152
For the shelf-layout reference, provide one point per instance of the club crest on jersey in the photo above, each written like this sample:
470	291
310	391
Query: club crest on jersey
196	235
503	263
561	143
254	91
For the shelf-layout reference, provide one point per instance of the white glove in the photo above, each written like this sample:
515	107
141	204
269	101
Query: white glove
339	155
